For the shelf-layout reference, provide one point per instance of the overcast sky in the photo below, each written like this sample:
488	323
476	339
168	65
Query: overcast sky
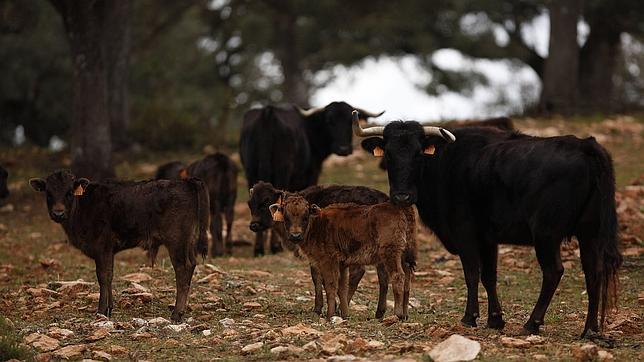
395	84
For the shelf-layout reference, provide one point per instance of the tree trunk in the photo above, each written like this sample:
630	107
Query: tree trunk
117	55
294	88
561	69
91	145
597	64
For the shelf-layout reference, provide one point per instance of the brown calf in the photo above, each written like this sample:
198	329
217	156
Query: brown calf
104	218
341	235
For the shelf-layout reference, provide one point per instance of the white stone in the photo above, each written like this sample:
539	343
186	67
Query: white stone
455	348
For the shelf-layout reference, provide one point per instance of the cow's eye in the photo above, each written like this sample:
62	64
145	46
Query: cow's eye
69	195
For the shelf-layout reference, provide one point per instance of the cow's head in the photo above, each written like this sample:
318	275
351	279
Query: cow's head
60	188
403	144
336	120
262	196
296	213
4	191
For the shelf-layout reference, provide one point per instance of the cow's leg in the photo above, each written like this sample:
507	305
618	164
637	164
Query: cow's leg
591	265
549	258
471	269
330	274
394	269
230	216
343	291
489	254
355	275
259	243
383	288
407	289
217	248
183	270
276	243
316	276
104	272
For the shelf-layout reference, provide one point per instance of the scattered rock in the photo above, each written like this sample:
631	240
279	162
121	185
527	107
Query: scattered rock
42	342
342	358
337	320
252	347
98	334
158	321
279	349
605	356
455	348
514	342
311	346
116	349
59	333
586	352
137	277
41	292
177	327
139	322
70	352
373	344
206	332
535	339
101	356
109	325
252	305
71	287
300	329
390	320
227	322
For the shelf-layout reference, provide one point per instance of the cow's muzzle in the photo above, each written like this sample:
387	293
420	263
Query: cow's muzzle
344	150
295	237
58	215
402	199
256	226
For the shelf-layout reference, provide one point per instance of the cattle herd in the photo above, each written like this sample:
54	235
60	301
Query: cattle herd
475	185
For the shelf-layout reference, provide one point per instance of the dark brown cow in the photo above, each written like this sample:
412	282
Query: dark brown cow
219	173
104	218
4	191
263	194
341	235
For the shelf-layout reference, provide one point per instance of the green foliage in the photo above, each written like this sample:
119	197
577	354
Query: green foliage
10	343
160	127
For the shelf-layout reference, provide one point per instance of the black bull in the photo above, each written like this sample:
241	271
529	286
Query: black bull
287	145
492	187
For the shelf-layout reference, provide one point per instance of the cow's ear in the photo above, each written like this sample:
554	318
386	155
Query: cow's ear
250	192
280	197
79	186
276	212
314	210
432	144
37	184
374	145
183	174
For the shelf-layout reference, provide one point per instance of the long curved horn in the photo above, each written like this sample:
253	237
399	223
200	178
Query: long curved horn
365	132
442	132
308	112
366	114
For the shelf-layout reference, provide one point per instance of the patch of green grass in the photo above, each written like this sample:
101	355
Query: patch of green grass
10	343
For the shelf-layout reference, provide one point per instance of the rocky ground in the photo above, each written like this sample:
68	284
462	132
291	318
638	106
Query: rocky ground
260	308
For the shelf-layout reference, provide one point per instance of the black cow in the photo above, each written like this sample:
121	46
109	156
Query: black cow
4	191
263	194
492	187
286	147
219	173
104	218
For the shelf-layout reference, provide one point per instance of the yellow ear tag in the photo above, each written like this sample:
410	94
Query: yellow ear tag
378	152
184	173
79	191
429	150
278	216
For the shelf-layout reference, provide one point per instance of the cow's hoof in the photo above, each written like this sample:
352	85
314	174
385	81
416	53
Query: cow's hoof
495	322
530	328
380	314
469	321
176	317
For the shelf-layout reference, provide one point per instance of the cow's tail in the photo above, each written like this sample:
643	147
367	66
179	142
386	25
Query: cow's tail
203	220
606	245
